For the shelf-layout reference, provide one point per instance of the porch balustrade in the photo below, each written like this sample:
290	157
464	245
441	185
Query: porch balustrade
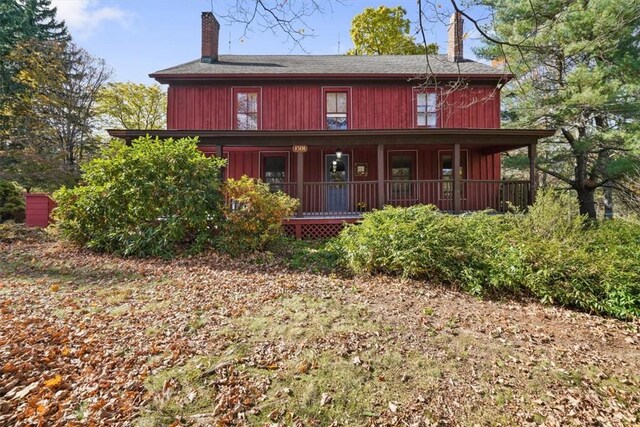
354	198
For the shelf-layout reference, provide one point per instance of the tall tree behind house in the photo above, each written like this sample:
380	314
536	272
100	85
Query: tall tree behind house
49	87
579	72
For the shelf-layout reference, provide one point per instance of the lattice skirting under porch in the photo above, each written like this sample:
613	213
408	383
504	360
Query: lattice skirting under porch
314	229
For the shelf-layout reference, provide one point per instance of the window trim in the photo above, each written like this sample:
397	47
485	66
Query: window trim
415	177
274	153
235	90
414	101
441	178
323	111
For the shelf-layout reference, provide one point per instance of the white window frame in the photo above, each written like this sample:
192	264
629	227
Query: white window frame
426	109
237	90
325	114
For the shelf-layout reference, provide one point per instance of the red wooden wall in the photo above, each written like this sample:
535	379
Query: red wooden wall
38	209
247	161
299	106
372	105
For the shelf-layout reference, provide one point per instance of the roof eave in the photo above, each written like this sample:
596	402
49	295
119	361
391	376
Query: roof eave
166	78
473	136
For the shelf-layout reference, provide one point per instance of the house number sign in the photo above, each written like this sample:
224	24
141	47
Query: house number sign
299	148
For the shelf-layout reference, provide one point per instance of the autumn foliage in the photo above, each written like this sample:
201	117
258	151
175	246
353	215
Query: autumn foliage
253	215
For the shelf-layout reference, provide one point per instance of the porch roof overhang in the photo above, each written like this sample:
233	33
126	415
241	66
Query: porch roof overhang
506	138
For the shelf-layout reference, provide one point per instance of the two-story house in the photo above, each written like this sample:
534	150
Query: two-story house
347	134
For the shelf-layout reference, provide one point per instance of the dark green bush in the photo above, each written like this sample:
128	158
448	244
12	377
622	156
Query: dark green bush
549	254
148	199
11	202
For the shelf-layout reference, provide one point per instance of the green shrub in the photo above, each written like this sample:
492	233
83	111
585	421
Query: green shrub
11	202
414	242
253	215
148	199
548	254
555	214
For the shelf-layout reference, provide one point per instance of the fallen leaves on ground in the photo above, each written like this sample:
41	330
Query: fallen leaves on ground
82	335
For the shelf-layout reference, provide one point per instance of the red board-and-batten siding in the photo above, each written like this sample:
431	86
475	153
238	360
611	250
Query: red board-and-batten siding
299	106
247	161
38	209
372	105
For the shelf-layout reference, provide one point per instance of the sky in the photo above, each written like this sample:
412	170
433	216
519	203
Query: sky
138	37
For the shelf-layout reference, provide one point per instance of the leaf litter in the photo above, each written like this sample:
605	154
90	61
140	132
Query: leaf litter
88	339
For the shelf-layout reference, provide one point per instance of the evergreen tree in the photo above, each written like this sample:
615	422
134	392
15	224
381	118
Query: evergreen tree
578	68
22	23
39	21
11	16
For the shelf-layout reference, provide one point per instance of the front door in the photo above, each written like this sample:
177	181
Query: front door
337	175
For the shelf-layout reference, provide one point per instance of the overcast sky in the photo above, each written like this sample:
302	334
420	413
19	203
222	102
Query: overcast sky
137	37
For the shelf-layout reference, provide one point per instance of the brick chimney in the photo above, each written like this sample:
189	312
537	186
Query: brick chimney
454	46
210	34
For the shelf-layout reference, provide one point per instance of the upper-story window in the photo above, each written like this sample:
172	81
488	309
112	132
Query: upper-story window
336	110
426	114
246	109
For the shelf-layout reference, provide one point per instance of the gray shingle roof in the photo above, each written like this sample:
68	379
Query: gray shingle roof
410	65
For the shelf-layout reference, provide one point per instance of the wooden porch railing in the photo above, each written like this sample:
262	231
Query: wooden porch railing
501	196
344	198
352	198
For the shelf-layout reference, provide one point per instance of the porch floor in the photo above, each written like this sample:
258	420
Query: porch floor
307	216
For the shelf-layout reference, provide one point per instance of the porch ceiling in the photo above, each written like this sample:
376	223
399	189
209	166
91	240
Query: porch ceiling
509	138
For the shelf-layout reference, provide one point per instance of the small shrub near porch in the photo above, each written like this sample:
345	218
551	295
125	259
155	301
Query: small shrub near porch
253	215
551	253
152	198
11	202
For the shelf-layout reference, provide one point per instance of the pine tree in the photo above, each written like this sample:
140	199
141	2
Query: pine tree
11	16
39	22
579	72
22	22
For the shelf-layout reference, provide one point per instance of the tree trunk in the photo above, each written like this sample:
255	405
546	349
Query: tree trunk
586	201
608	201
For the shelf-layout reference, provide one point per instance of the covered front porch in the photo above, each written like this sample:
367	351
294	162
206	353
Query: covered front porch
338	175
352	198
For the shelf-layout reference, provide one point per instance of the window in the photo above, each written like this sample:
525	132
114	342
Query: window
336	110
274	171
446	171
246	110
402	169
426	109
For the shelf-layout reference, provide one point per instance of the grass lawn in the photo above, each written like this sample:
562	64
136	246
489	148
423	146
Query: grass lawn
91	339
